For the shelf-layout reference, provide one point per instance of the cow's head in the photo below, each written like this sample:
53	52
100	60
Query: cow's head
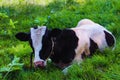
35	38
40	41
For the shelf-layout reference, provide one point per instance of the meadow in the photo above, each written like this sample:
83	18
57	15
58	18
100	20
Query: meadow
20	15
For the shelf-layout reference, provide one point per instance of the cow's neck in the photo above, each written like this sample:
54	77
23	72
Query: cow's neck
52	47
53	44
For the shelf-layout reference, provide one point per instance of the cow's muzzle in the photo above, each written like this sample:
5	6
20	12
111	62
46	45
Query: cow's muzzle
40	64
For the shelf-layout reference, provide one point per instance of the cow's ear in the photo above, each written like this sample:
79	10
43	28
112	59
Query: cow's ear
23	36
55	32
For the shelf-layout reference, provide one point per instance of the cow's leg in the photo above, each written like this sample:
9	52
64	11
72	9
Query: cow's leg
65	70
78	60
87	51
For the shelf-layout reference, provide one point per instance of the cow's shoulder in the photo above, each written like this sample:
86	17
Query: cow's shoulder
65	45
68	39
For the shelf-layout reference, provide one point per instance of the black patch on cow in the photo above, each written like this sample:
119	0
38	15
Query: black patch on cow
46	45
55	32
109	38
47	42
83	55
93	47
65	45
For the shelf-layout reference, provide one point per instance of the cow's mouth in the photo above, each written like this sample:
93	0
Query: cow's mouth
39	64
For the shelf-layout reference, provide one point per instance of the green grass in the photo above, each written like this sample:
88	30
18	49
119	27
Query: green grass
18	15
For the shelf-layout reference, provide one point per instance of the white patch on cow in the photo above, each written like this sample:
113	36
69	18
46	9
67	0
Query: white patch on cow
84	33
83	44
37	36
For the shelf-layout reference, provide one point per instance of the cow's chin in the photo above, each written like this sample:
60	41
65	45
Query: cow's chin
62	65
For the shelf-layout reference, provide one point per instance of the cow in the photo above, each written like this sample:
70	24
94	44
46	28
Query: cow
67	46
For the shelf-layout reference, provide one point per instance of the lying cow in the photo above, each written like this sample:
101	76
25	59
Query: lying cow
66	46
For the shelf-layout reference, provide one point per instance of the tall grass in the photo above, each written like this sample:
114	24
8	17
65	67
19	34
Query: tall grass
20	15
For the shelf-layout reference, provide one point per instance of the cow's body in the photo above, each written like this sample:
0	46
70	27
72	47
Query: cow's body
69	45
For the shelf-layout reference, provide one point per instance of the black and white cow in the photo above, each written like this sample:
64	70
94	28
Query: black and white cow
66	46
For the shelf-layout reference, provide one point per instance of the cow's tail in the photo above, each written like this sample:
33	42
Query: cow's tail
110	39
